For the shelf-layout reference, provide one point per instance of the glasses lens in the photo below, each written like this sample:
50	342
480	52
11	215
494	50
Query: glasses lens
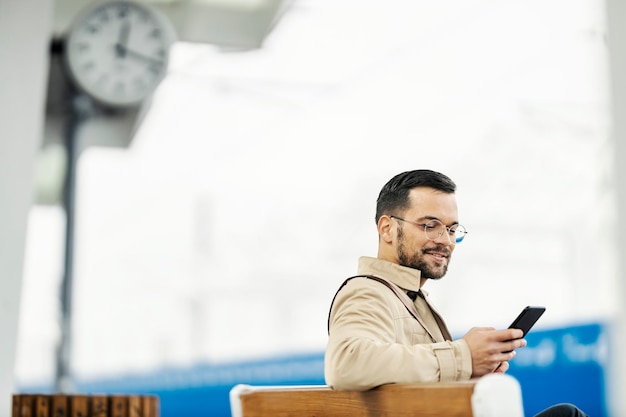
434	229
459	233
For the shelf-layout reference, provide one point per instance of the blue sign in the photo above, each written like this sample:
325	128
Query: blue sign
563	366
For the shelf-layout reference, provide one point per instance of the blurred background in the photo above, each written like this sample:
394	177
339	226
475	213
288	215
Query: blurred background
210	238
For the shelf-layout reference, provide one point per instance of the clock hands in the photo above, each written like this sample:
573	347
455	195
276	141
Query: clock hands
120	46
123	51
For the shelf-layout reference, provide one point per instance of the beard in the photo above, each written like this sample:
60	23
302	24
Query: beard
417	261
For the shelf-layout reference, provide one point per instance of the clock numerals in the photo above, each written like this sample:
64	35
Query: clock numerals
103	17
82	47
156	33
88	66
144	18
92	29
122	11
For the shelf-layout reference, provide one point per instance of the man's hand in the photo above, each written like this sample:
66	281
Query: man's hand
502	368
492	349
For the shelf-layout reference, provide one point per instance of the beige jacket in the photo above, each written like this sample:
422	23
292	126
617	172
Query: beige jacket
374	340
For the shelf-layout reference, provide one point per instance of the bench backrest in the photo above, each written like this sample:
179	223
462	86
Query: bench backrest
492	396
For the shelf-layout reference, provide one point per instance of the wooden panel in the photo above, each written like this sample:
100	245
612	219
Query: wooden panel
150	406
76	405
135	408
59	406
79	406
27	405
396	400
118	406
15	406
99	406
42	406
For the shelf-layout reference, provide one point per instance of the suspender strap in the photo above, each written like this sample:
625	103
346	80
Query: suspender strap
396	290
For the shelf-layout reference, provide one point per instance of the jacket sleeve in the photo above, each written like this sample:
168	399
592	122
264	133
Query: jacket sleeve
365	349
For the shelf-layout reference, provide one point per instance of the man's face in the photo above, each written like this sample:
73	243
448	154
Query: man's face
413	248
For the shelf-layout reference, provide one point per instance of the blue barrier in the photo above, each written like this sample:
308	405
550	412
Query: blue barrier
560	365
203	390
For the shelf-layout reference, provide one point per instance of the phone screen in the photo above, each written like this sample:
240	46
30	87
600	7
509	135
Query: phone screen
527	318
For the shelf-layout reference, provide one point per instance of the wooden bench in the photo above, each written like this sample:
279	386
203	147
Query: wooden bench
495	395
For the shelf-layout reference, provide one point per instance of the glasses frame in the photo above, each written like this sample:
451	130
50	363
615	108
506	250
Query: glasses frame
446	228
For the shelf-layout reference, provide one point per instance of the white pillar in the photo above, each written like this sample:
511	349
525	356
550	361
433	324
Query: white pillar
25	27
616	21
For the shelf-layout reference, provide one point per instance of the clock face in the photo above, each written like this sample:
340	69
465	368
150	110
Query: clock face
118	51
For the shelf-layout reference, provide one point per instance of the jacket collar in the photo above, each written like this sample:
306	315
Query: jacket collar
402	276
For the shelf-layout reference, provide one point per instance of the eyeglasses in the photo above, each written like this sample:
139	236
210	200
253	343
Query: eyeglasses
434	229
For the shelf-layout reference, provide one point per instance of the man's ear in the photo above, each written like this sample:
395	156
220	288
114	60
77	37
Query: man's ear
385	228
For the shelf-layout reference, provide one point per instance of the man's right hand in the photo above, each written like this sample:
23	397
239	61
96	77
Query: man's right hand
491	347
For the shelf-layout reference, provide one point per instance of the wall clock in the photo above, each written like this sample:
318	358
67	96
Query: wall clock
117	51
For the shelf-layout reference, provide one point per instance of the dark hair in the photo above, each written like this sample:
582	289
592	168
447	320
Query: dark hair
394	195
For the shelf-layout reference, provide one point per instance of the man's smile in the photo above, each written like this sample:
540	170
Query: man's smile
439	254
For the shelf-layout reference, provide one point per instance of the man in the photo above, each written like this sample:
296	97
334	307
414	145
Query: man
382	328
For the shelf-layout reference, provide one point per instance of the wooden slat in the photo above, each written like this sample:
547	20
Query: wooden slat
134	406
99	406
60	406
15	406
118	406
42	406
27	405
396	400
79	406
150	406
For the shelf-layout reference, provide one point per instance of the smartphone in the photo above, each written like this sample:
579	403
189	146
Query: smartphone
527	318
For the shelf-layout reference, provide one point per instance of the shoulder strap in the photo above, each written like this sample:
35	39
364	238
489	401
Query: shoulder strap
396	290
